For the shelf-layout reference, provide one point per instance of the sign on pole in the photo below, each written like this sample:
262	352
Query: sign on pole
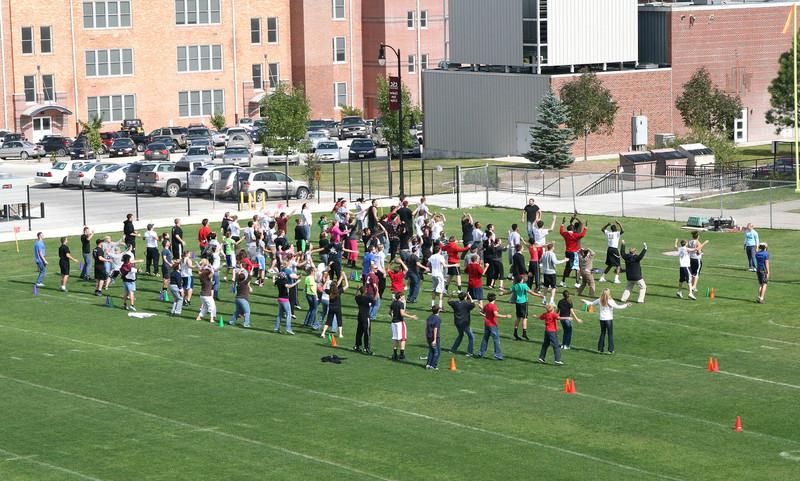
394	93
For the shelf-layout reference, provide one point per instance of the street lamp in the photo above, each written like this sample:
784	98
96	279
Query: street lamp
400	133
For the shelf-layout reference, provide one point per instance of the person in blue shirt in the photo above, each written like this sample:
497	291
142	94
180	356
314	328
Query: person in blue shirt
762	271
40	259
432	333
751	242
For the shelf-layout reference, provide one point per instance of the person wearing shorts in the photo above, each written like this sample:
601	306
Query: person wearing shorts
695	248
762	271
398	312
519	294
64	258
613	233
100	273
128	274
683	269
549	263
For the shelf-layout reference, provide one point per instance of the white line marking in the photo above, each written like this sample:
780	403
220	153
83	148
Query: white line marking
746	352
610	370
791	455
75	350
47	354
771	347
716	331
360	403
16	358
30	459
192	427
782	325
467	391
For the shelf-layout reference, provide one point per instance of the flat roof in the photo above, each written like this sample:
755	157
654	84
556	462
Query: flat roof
637	157
718	5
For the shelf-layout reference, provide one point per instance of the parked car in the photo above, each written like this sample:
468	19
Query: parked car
329	151
362	149
56	143
238	137
134	174
57	174
163	139
80	149
3	134
228	185
781	168
134	126
157	151
246	123
353	127
199	152
168	178
112	177
409	151
202	142
201	179
255	135
122	147
21	149
85	173
266	184
108	139
237	156
314	137
329	126
218	138
177	134
199	131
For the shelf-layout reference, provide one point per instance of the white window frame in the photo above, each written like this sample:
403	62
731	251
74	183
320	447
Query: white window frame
337	93
25	89
337	51
276	77
411	19
260	84
423	61
423	19
254	31
335	5
108	55
195	6
277	30
22	40
412	64
196	100
52	86
109	102
196	52
105	15
49	39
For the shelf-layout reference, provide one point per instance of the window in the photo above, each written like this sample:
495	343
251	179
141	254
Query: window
258	79
107	14
194	103
410	19
197	12
27	40
423	62
46	39
48	88
255	30
109	63
199	58
112	108
29	85
272	30
274	75
423	19
339	50
338	9
412	64
339	94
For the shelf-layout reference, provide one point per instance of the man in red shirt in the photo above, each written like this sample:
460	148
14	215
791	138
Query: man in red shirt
202	235
490	316
454	257
475	272
572	241
397	277
550	318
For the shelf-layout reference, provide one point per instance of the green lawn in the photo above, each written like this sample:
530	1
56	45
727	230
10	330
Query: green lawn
741	200
95	395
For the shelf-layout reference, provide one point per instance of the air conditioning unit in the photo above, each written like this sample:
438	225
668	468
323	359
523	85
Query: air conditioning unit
638	130
663	140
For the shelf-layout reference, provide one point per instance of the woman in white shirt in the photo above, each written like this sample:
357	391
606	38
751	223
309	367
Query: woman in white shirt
152	256
233	226
186	276
606	306
305	214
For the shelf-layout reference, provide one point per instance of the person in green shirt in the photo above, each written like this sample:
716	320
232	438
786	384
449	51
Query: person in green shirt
519	292
229	249
310	285
323	223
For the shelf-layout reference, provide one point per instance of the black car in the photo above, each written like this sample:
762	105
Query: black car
56	143
409	151
80	149
362	149
164	139
124	147
782	168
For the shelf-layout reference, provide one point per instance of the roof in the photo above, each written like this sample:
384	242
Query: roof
696	149
37	109
668	154
637	157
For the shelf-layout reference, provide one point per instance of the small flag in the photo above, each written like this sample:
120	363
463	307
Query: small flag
280	206
193	256
81	267
108	302
35	290
17	229
221	322
786	25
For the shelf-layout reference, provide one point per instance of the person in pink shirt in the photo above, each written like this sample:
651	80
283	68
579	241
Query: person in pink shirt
337	233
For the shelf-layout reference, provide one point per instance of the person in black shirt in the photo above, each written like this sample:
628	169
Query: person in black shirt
86	251
363	331
284	304
338	285
100	274
566	314
531	214
398	311
404	213
633	272
130	233
177	240
518	262
64	257
461	317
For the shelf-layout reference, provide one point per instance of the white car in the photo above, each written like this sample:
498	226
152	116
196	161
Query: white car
218	138
57	174
201	179
328	151
246	123
85	173
112	177
316	136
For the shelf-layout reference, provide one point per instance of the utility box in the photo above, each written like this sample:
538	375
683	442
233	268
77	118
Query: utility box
698	221
663	140
638	131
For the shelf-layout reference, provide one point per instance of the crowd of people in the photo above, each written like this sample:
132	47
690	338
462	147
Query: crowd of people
395	248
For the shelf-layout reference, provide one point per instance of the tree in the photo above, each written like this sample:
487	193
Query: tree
781	92
91	131
287	114
719	142
591	110
704	107
552	139
218	121
349	111
389	118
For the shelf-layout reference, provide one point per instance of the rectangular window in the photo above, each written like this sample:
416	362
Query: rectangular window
410	15
194	103
29	84
412	64
46	39
113	62
258	78
338	9
339	48
423	62
107	14
27	40
199	58
423	19
197	12
272	30
112	108
339	94
255	30
274	75
48	88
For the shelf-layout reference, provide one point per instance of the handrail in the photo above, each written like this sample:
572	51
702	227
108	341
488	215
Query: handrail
597	183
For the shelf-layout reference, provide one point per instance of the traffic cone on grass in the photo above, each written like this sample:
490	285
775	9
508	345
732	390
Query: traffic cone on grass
590	309
453	364
738	426
711	293
333	340
108	302
716	366
221	322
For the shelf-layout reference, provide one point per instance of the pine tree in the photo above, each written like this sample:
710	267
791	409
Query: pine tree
551	140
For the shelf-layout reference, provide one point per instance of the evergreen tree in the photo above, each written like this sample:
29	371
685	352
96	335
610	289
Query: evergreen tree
551	140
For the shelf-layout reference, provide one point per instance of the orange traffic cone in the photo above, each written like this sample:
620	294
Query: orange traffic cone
710	364
567	387
738	426
715	367
711	293
453	364
590	309
572	386
333	341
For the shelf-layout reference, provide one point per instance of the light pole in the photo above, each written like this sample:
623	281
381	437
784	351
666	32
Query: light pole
400	133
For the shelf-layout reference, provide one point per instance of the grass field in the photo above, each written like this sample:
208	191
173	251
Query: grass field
741	200
95	395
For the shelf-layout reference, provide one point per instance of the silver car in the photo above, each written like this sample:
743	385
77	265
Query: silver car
111	178
314	137
237	156
201	179
239	137
329	151
266	184
218	138
21	149
198	152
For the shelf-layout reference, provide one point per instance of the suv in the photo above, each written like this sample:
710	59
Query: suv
133	177
178	135
238	137
327	125
168	177
266	184
134	126
56	143
201	179
353	127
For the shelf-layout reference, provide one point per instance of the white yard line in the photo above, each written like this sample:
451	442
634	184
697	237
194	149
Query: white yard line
31	459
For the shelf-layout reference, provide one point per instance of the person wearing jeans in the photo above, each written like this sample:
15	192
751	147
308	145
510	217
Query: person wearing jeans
86	251
490	316
176	288
461	317
241	307
40	259
284	306
432	334
751	242
606	306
